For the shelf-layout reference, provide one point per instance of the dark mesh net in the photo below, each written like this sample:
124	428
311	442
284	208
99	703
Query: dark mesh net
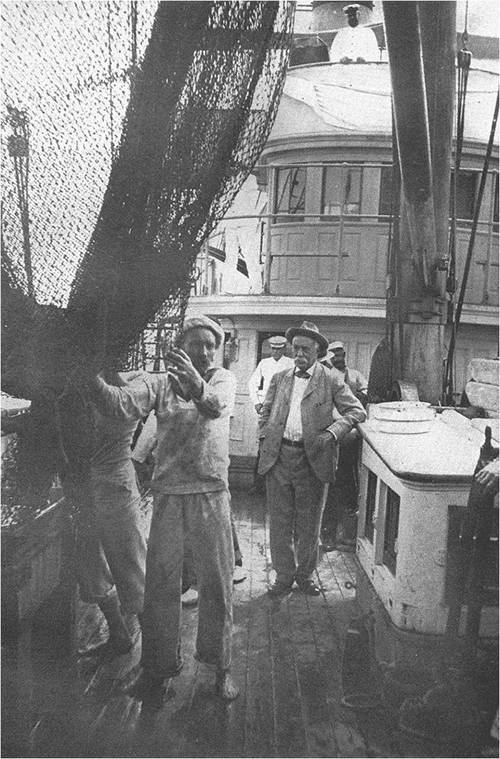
128	129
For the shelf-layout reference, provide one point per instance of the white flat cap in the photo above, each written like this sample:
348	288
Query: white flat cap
278	341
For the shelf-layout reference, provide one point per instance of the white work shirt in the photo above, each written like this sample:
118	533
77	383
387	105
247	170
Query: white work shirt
355	42
293	426
265	370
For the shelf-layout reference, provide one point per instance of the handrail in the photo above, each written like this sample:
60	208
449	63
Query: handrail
360	164
333	217
308	218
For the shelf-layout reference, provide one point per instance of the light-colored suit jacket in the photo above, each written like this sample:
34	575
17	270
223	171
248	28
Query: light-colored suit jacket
325	392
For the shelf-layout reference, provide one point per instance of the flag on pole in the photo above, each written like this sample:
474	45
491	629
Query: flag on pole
241	264
220	252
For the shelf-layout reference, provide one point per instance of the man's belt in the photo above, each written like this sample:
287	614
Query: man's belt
293	443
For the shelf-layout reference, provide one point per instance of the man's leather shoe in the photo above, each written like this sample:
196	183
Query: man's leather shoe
309	588
279	589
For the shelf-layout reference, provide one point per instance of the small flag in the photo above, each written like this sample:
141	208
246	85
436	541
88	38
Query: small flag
217	253
241	264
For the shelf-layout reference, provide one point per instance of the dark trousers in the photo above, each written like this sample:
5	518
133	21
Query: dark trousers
342	500
294	497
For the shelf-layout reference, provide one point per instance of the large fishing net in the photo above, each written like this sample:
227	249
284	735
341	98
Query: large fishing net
128	128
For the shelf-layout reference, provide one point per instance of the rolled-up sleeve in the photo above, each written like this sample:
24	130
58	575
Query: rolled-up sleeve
134	401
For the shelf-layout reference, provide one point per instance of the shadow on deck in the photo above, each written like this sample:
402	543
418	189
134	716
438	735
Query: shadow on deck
287	660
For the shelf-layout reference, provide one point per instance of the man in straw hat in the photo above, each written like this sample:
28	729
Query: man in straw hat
193	401
298	448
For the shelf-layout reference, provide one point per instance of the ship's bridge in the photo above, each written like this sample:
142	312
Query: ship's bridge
327	168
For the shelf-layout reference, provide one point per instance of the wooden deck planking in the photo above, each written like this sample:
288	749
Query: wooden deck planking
330	622
374	725
287	661
260	717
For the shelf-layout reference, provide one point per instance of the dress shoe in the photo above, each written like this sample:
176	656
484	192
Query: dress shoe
309	588
279	589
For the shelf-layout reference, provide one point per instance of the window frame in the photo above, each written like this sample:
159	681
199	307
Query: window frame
291	215
329	217
391	529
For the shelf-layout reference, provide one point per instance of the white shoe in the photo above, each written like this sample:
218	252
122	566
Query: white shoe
239	574
190	597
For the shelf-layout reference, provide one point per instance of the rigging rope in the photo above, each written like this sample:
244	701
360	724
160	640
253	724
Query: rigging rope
470	248
464	59
19	150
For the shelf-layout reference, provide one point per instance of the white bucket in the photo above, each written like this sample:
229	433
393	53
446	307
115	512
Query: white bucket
403	417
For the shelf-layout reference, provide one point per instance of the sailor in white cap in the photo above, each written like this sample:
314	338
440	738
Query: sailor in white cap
259	382
193	402
354	43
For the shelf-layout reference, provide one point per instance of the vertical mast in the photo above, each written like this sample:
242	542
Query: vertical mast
421	41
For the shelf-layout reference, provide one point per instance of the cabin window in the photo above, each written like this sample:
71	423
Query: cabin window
466	197
341	192
391	530
385	193
371	493
290	196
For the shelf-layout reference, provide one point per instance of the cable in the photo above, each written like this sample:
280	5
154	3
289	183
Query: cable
464	59
470	248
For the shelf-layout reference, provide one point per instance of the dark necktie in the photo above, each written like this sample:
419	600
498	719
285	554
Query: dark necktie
301	375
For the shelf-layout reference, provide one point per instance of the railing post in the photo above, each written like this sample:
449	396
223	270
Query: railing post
341	227
271	173
489	246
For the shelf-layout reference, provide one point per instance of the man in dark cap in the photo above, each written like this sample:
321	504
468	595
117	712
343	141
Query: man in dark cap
193	402
298	447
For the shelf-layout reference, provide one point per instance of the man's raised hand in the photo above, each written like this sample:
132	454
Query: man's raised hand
180	366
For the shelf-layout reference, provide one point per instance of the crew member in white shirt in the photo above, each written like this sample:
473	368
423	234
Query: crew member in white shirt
354	43
259	382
